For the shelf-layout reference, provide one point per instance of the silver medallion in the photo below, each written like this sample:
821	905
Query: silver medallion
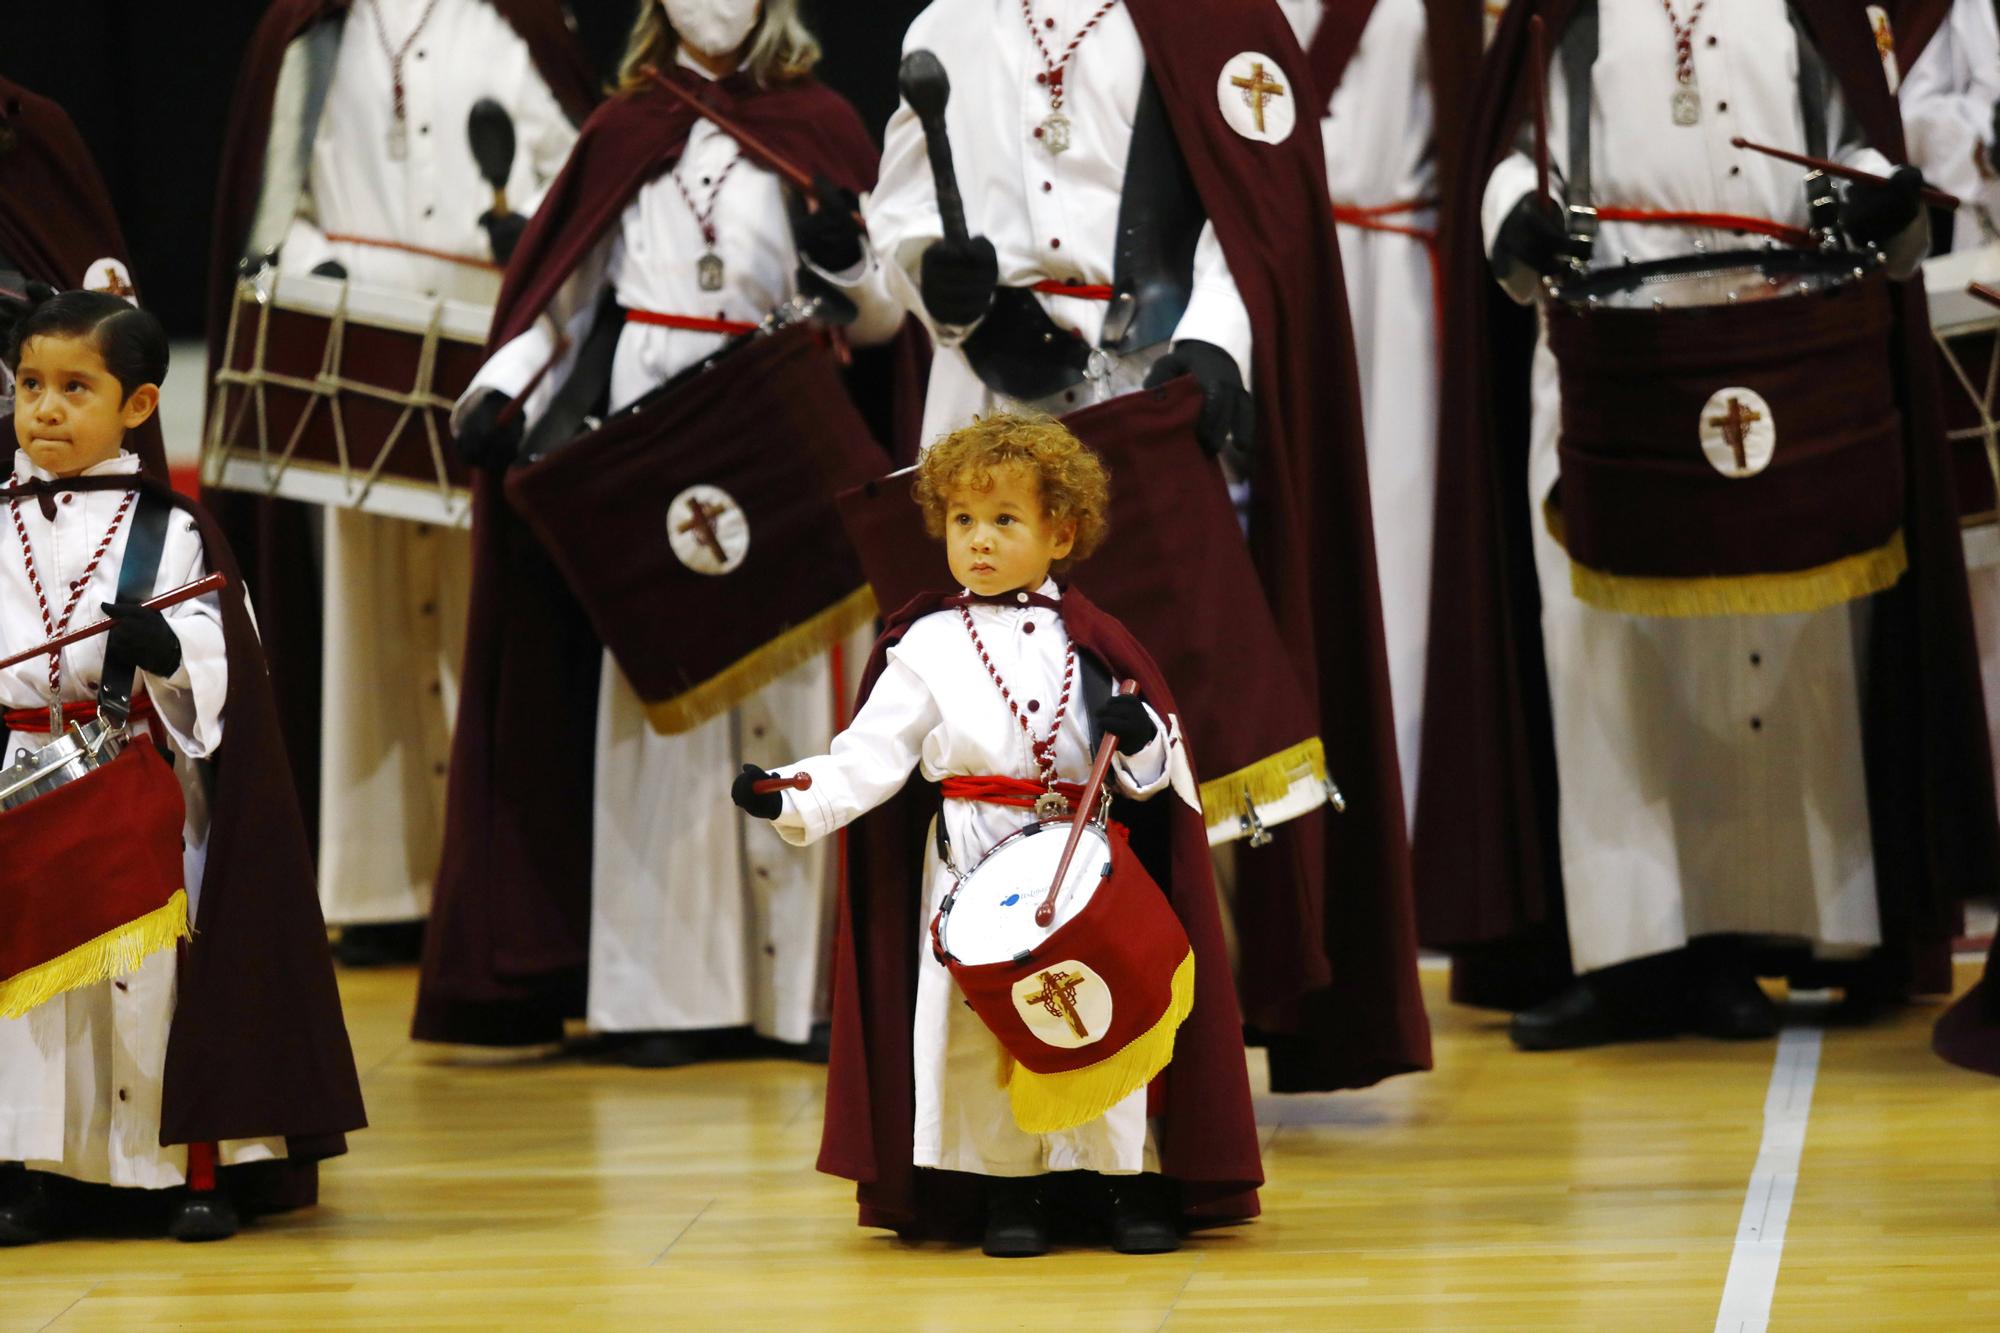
399	138
1687	105
708	270
1053	133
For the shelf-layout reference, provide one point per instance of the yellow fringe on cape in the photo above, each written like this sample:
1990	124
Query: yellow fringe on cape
112	954
753	671
1268	780
1047	1103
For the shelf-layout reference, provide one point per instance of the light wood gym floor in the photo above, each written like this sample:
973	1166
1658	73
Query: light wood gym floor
1596	1190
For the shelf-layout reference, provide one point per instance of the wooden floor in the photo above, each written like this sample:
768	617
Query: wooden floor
1595	1190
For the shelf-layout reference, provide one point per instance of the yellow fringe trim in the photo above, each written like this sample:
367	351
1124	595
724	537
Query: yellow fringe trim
752	672
1048	1103
112	954
1268	780
1847	579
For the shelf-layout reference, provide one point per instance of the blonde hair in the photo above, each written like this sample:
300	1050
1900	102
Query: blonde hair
782	50
1071	479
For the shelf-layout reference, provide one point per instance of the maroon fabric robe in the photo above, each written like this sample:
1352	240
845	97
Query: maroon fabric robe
1487	853
1207	1133
509	937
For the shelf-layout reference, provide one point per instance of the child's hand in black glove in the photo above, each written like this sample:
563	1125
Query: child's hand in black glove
958	279
484	440
762	805
143	638
1875	213
1126	718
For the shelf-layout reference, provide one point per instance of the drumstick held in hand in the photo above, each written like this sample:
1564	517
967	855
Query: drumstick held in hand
1987	294
1107	747
1934	197
796	782
186	592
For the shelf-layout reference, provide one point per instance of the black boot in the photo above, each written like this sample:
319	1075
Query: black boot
200	1215
1143	1219
658	1050
1724	1000
27	1214
1017	1226
1595	1011
380	944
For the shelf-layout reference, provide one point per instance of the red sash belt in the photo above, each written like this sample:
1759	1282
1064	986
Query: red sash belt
1370	217
1082	291
466	261
992	790
691	323
1790	235
36	720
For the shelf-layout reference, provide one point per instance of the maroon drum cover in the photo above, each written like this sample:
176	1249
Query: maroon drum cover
1730	459
699	533
1176	571
90	879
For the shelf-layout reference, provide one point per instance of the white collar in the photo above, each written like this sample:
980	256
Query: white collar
1048	590
121	463
688	62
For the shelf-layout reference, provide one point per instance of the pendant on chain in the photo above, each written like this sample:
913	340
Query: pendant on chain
1687	104
708	271
399	138
1054	133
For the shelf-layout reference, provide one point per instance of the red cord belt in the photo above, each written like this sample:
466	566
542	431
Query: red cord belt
1780	231
1020	792
1082	291
35	721
690	323
467	261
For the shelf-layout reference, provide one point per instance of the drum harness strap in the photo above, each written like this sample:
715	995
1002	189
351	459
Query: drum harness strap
1579	56
136	578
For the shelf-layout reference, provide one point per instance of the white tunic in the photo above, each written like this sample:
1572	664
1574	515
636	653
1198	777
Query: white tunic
1947	99
1711	768
697	919
935	709
1048	216
80	1076
1380	153
396	592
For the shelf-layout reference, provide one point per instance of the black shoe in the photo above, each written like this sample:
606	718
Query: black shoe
1584	1015
202	1215
1017	1226
1142	1215
817	1047
658	1050
26	1213
1728	1005
380	944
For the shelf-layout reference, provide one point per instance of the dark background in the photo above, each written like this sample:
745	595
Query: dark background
149	85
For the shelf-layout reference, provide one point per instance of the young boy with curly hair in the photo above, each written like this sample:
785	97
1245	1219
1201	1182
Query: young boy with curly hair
999	694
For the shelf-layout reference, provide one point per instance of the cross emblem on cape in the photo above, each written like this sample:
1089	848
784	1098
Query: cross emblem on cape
1735	426
115	285
1058	997
702	525
1258	88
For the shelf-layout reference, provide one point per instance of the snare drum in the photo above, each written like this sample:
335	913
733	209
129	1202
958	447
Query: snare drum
1730	441
80	751
1087	1006
1967	331
339	394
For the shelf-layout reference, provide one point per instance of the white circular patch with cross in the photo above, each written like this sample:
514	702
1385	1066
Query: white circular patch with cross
1064	1004
1257	98
109	275
708	529
1738	433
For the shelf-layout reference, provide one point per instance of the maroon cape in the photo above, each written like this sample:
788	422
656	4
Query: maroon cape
56	218
258	1048
273	537
1487	855
1328	975
1206	1131
509	937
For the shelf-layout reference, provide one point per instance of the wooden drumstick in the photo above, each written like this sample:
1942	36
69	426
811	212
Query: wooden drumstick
796	782
215	582
1987	294
1934	197
1107	747
752	146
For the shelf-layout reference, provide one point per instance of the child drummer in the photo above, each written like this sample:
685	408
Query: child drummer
985	691
220	1071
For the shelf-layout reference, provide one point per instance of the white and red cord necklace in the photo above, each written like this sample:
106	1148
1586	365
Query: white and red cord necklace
1687	94
708	269
1042	749
399	124
55	628
1054	132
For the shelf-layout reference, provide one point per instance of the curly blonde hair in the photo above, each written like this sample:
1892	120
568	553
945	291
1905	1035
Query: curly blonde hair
1071	479
782	50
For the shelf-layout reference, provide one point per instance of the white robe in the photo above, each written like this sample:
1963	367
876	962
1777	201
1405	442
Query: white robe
1379	152
396	592
80	1075
935	709
698	920
1048	216
1711	768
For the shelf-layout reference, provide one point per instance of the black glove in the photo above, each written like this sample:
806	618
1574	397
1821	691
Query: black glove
483	441
762	805
829	236
1874	214
1228	422
958	279
503	233
1533	237
143	638
1126	718
329	268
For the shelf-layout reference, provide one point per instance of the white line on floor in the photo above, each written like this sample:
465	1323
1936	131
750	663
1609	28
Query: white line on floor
1767	1204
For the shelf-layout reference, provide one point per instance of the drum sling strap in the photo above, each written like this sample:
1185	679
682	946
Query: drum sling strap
587	387
136	579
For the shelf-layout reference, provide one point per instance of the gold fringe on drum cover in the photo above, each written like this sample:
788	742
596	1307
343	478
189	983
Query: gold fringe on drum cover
113	954
1051	1103
748	674
1266	782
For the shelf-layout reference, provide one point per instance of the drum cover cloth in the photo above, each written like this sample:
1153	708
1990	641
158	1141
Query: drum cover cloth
753	427
1128	935
1639	503
1206	621
84	898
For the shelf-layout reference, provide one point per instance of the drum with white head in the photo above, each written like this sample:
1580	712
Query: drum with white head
990	916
